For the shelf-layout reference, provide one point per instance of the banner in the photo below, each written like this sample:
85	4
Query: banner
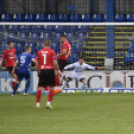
97	81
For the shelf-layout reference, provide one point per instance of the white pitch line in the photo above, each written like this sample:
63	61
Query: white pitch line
55	127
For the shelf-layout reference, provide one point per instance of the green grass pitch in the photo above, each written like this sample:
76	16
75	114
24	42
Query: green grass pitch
71	114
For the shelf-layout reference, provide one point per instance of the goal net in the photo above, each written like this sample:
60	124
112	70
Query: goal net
107	45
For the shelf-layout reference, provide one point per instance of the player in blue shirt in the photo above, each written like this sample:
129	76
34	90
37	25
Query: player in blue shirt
24	62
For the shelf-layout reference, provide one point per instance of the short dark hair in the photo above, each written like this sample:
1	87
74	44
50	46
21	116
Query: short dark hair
47	42
63	35
81	57
8	43
26	48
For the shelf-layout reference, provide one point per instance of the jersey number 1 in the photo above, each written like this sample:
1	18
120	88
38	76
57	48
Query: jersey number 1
45	56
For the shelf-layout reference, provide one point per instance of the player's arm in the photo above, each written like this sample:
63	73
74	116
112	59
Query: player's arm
62	53
33	60
15	66
37	67
57	67
69	54
69	66
1	61
92	68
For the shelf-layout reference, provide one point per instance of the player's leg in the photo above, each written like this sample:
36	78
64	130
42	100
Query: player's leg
41	84
47	90
19	79
51	83
68	79
57	83
84	84
28	81
38	95
15	77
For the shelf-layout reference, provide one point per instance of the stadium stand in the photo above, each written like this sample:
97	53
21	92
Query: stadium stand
120	18
75	18
6	17
13	28
18	17
98	18
25	29
37	29
86	17
40	18
130	17
52	18
64	18
29	18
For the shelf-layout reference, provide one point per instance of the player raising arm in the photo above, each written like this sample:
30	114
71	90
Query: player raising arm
24	62
77	73
9	56
46	63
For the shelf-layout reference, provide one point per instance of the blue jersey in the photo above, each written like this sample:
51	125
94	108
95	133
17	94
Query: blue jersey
25	61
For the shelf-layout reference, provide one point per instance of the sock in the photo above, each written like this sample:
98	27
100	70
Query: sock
57	80
27	86
48	103
15	88
38	96
51	95
64	85
13	83
83	86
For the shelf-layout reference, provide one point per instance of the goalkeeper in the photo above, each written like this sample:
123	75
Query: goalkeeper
77	73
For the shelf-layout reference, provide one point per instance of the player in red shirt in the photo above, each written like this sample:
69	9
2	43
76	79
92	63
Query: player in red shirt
63	58
64	53
46	63
10	55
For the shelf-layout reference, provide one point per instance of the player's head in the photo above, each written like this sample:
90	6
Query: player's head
10	44
63	38
28	49
81	60
47	43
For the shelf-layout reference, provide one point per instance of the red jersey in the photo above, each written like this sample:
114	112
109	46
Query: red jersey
66	46
9	56
45	59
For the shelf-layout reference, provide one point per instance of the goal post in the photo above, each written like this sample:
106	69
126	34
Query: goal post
107	45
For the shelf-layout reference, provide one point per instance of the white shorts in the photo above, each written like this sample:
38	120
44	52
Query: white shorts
76	75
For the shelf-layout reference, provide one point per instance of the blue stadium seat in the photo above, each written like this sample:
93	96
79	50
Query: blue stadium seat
98	18
19	47
40	18
37	28
69	37
86	17
29	18
3	47
49	28
11	36
80	36
52	18
64	18
83	29
56	37
75	18
33	46
39	46
44	36
59	29
69	29
21	37
3	28
13	28
7	17
130	17
33	36
25	29
120	18
18	17
54	46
